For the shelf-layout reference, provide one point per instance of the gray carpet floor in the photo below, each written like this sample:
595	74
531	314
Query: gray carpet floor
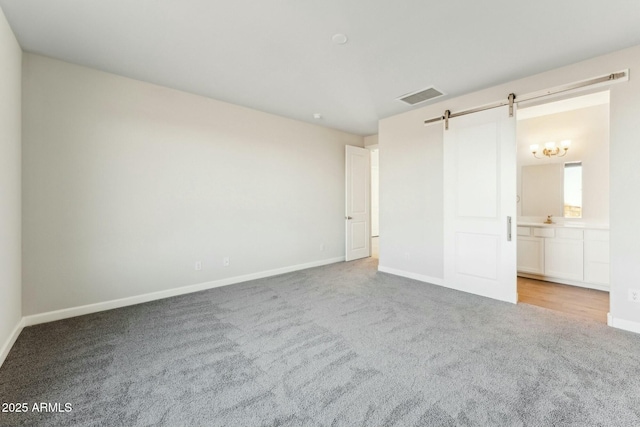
340	345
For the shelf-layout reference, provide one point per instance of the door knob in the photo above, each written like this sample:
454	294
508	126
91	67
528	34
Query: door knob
349	217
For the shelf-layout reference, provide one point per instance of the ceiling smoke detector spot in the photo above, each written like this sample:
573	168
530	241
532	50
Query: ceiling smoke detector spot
420	96
339	38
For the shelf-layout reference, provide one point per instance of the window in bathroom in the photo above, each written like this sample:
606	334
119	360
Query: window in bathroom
573	190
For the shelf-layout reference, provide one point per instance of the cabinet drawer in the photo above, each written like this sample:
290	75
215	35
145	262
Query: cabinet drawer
544	232
524	231
568	233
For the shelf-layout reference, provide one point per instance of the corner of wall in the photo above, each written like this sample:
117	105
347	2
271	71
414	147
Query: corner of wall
10	188
11	340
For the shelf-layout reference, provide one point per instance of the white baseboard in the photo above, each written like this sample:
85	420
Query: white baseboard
139	299
409	275
4	352
598	287
626	325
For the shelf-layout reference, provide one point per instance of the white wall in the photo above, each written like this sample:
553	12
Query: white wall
588	130
127	184
371	140
10	186
411	197
411	177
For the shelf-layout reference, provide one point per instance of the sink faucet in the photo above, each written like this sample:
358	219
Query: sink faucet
548	221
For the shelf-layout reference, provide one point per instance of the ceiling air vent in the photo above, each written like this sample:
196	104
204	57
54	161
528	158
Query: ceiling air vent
421	96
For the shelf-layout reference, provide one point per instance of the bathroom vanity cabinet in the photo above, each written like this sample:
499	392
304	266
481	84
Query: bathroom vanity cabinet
571	255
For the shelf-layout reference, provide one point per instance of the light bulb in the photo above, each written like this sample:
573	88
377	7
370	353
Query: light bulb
566	143
550	145
534	148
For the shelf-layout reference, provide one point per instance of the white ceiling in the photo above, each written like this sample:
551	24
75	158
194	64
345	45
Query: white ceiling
568	104
277	55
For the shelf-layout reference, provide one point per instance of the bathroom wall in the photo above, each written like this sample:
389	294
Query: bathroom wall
588	130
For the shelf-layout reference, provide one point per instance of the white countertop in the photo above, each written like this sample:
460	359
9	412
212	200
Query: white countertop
565	225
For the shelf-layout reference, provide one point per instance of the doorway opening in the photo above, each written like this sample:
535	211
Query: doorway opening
563	205
375	201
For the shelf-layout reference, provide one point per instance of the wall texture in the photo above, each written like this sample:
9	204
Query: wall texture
410	150
371	140
10	184
127	185
411	198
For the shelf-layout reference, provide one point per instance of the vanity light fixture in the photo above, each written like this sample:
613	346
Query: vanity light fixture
551	149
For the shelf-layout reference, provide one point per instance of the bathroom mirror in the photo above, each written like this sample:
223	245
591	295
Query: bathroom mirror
552	189
542	190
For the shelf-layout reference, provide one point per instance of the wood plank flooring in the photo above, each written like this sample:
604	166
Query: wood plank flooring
375	247
575	301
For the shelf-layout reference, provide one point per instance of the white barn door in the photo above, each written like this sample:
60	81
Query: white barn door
479	199
358	203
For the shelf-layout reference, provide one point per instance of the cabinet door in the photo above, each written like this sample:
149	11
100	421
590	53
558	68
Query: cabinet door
564	259
531	255
596	257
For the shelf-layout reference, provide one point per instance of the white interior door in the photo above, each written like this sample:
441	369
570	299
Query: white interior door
358	203
479	197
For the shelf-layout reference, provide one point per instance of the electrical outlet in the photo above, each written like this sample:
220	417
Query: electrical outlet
634	295
225	261
198	265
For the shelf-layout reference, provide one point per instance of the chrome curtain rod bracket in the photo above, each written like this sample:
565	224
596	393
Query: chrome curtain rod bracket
512	97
